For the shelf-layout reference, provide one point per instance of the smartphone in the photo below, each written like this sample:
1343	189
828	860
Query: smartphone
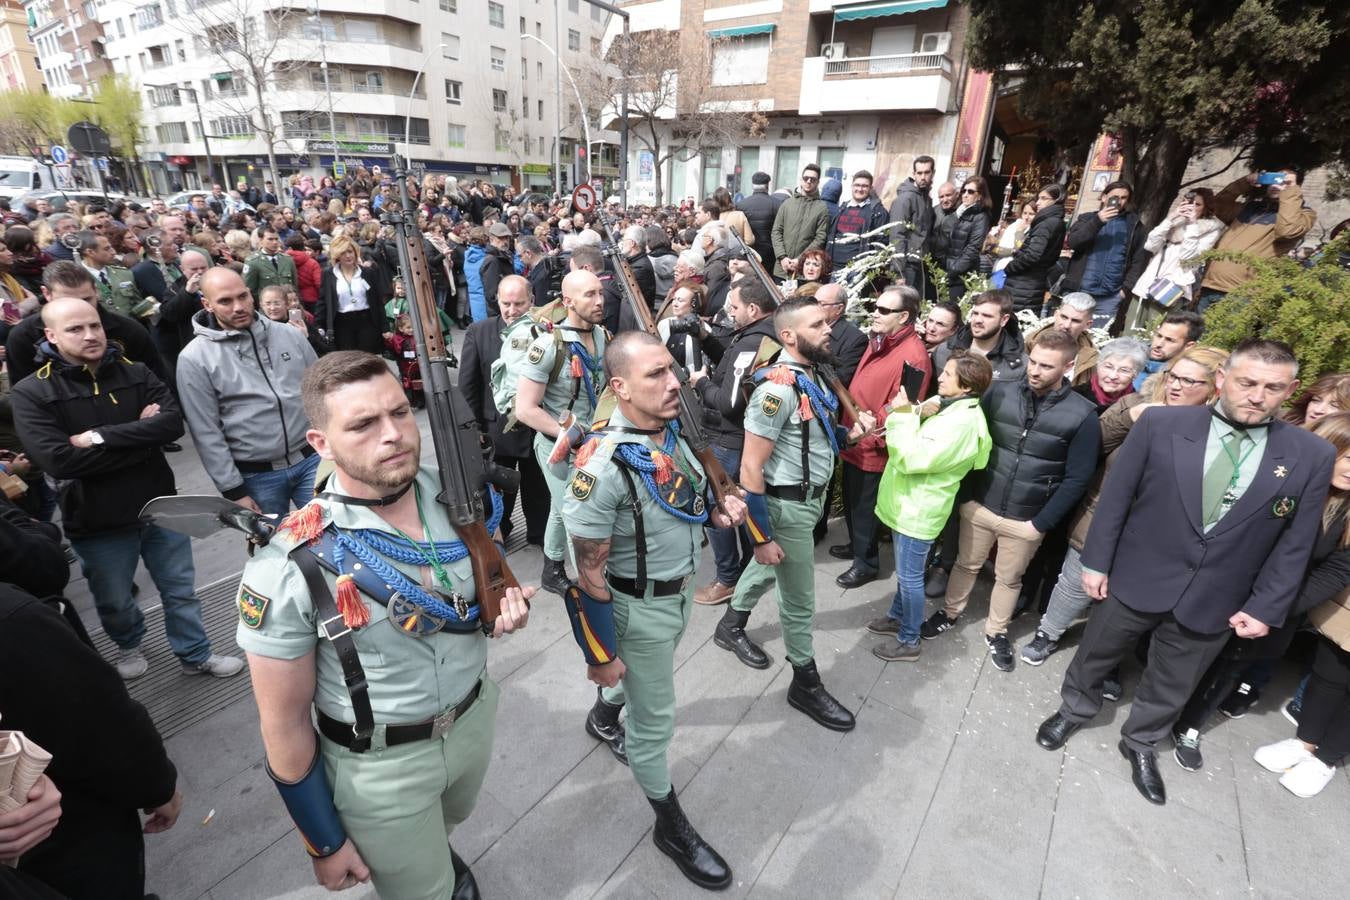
1114	203
1266	179
296	317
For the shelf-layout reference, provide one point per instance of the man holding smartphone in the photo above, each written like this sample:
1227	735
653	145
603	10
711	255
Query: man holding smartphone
1266	217
1108	254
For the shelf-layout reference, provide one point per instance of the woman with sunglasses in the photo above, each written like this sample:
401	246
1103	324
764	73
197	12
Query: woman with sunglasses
970	224
1027	272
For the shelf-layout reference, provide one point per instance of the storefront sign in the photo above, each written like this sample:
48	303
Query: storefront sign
373	147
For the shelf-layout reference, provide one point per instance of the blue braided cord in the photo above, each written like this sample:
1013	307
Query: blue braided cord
587	367
819	397
360	542
639	458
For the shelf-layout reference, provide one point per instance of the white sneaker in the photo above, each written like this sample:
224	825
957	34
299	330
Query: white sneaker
1282	756
131	663
219	666
1308	777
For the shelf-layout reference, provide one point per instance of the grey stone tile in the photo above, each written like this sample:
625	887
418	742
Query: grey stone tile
280	871
217	749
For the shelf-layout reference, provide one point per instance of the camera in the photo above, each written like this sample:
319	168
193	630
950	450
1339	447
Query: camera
1190	196
689	323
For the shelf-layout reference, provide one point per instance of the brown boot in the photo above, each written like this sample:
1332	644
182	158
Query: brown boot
714	594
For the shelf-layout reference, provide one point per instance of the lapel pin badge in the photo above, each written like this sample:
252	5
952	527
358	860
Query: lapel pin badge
1283	507
1281	471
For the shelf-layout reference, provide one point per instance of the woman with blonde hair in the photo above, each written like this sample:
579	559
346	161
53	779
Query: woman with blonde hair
1327	395
352	296
239	243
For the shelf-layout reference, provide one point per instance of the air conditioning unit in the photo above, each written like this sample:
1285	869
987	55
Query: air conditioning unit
936	42
833	51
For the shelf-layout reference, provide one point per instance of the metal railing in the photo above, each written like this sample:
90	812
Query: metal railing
325	135
897	64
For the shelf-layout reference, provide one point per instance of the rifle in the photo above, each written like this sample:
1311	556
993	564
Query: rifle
846	401
691	409
463	454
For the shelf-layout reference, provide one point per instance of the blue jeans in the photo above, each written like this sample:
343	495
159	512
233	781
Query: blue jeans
731	547
911	561
110	565
274	492
1105	312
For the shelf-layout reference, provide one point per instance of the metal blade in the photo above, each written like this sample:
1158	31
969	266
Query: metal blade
202	515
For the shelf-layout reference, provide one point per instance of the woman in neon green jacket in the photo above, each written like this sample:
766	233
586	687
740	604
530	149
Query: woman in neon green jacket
931	450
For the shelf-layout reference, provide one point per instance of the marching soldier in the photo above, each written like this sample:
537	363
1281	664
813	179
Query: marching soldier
791	441
560	380
269	265
635	509
389	652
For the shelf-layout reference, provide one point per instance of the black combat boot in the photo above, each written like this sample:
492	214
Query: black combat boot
676	838
466	888
807	694
602	723
554	576
730	635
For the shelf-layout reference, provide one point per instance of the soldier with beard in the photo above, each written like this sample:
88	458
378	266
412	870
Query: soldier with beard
791	441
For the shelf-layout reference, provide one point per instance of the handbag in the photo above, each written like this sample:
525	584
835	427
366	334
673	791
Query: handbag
1165	292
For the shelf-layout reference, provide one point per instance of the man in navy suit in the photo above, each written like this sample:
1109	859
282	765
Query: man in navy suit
1204	526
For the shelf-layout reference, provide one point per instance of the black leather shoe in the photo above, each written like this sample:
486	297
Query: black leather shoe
935	584
172	447
841	551
554	576
1055	732
602	723
856	576
1144	771
676	838
730	635
466	888
807	694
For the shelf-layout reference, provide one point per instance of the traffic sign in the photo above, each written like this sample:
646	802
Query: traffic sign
583	198
89	139
59	155
103	163
339	170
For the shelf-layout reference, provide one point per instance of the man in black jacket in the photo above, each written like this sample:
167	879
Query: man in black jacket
1046	440
70	279
96	422
498	263
181	301
159	269
633	248
760	209
847	341
914	207
750	307
512	449
1108	254
537	269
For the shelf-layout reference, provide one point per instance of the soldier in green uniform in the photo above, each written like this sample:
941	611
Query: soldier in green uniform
269	265
389	653
117	289
791	441
563	373
635	509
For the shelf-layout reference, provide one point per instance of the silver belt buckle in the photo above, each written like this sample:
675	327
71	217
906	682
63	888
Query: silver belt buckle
441	724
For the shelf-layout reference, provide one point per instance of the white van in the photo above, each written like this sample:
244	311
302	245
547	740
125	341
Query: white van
22	174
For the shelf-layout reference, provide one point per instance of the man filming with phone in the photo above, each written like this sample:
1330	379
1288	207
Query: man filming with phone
1108	254
1266	217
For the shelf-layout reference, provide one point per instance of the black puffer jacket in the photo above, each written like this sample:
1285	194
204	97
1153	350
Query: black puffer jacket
1030	266
965	238
723	401
760	208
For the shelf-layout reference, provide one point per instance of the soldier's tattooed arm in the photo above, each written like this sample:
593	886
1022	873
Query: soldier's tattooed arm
591	558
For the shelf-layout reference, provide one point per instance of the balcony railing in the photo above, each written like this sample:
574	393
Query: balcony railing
897	64
363	87
325	135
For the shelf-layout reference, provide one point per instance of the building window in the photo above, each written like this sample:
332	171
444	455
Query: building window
232	126
164	96
743	60
373	83
538	71
497	57
573	39
573	6
121	29
597	46
455	135
498	101
541	110
523	29
450	6
451	48
539	29
180	50
496	15
502	139
150	16
541	146
454	91
171	133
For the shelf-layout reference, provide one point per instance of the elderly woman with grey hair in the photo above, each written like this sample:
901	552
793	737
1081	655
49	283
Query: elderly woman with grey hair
1118	361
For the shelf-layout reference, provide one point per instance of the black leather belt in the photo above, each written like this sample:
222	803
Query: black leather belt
341	732
670	588
793	491
252	468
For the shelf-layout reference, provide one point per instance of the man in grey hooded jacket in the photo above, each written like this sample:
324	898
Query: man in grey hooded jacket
914	207
239	382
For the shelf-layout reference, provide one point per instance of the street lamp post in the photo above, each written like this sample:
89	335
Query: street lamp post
623	102
327	87
407	120
581	107
201	123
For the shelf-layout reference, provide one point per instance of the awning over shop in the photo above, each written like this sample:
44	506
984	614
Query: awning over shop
742	31
876	10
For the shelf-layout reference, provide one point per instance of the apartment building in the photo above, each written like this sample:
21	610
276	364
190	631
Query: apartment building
848	84
18	56
70	45
464	87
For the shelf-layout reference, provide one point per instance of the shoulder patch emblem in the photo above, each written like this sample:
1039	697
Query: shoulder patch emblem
582	482
520	343
770	404
252	606
245	271
536	354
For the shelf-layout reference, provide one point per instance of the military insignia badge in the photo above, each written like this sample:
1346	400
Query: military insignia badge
1281	471
582	482
519	343
536	354
1284	507
252	606
770	404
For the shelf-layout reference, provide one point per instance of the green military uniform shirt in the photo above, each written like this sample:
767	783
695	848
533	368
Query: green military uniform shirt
119	292
504	372
261	270
411	678
540	360
597	506
773	413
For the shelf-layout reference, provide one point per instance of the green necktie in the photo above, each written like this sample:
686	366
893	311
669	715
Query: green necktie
1220	477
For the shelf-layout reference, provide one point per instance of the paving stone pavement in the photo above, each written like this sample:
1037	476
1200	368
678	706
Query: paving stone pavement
940	791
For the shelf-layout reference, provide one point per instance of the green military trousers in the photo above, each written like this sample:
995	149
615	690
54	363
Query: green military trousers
399	804
555	536
649	629
793	522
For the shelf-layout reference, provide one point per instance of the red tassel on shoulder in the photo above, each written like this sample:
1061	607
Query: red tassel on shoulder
781	375
576	366
349	603
665	467
305	524
804	409
586	452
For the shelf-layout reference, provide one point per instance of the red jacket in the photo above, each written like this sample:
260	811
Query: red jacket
876	383
308	274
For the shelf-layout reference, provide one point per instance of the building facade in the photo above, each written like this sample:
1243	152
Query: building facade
70	45
18	57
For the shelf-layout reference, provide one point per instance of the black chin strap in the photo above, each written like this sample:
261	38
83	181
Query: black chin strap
387	500
1217	409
